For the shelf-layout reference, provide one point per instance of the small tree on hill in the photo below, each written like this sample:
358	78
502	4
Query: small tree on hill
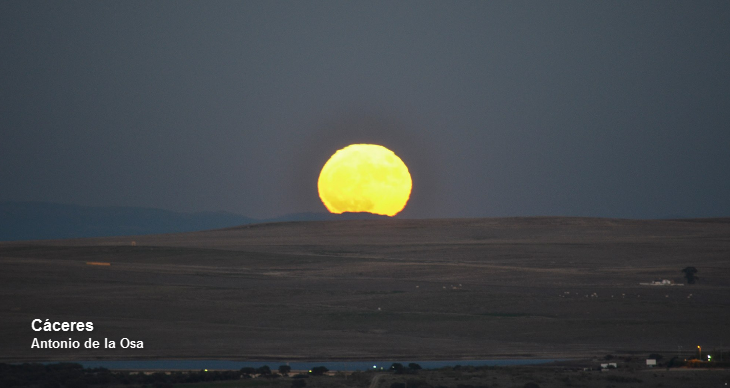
284	370
247	370
689	274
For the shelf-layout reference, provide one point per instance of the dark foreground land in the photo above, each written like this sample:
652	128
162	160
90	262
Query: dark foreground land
379	289
628	374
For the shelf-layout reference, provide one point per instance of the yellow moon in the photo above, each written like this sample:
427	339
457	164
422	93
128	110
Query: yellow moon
365	178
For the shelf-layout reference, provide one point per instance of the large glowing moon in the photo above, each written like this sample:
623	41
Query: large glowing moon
365	178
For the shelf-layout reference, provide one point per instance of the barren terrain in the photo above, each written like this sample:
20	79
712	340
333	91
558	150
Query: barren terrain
539	287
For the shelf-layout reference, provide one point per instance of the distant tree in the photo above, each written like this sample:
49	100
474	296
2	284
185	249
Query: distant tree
248	371
284	370
298	383
413	366
689	274
264	370
672	362
397	367
319	370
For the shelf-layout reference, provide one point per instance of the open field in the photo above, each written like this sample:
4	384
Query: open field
518	377
377	289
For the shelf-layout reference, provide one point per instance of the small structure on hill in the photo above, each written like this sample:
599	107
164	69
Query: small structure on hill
97	263
663	282
610	365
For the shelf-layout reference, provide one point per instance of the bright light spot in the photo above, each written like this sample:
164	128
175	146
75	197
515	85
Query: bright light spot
365	178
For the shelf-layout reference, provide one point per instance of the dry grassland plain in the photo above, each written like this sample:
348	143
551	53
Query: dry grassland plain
543	287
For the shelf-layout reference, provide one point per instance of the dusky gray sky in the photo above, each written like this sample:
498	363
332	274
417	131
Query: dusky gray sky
499	108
